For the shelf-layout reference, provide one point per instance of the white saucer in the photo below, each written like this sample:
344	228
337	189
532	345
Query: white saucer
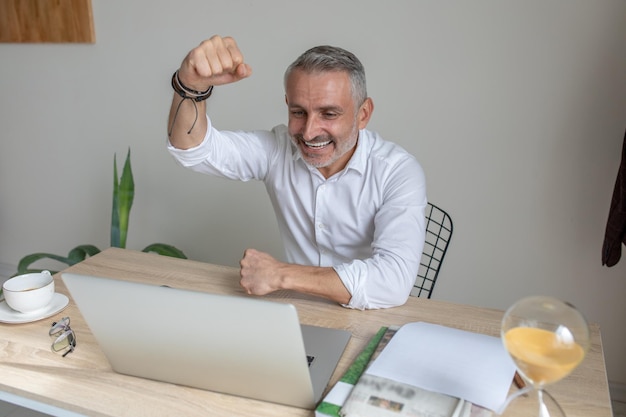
8	315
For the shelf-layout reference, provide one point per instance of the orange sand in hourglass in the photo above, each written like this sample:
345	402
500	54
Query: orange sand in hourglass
541	355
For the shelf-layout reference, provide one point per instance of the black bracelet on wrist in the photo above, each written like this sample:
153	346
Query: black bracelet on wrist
188	93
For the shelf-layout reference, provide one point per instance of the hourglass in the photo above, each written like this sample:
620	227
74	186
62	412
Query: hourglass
547	339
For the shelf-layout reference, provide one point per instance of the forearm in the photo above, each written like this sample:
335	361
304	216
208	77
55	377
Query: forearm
319	281
187	124
262	274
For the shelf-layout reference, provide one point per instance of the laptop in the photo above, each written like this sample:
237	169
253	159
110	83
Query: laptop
237	345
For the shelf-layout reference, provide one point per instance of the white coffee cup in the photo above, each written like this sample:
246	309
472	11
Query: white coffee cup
29	292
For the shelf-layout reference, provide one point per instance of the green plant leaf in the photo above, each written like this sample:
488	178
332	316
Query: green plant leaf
23	267
81	252
78	254
125	196
165	249
115	214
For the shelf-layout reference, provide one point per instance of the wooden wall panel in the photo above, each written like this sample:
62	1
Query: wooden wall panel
57	21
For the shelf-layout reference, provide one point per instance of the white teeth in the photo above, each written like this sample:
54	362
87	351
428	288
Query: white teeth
317	144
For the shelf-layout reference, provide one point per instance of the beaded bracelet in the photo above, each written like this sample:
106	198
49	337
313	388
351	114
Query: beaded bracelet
188	93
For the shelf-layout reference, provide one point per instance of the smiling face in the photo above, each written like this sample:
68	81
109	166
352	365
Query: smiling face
324	119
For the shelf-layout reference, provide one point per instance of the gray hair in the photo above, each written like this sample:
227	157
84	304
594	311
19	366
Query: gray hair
331	58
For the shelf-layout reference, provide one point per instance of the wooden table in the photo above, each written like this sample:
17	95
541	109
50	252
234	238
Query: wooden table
84	383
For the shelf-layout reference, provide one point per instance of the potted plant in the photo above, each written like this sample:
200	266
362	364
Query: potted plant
123	194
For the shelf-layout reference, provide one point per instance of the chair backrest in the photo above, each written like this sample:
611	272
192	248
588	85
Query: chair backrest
438	234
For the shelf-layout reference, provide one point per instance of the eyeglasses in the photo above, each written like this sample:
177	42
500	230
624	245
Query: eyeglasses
65	338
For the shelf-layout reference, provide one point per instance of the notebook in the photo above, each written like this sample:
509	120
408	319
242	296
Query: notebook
243	346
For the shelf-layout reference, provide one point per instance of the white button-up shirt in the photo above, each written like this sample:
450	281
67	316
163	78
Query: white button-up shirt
367	221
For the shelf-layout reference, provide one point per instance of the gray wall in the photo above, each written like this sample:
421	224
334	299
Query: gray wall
516	111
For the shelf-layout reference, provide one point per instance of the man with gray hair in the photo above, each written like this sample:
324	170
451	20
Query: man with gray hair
349	205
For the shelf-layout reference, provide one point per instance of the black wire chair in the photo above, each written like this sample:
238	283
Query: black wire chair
438	235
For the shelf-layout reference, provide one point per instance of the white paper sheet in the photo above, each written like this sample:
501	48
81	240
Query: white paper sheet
463	364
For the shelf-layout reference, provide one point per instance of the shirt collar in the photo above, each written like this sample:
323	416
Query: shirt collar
359	157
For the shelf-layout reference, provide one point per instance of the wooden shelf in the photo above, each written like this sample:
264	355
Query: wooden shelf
46	21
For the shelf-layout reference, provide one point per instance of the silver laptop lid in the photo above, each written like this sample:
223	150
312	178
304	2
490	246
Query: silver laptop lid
237	345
